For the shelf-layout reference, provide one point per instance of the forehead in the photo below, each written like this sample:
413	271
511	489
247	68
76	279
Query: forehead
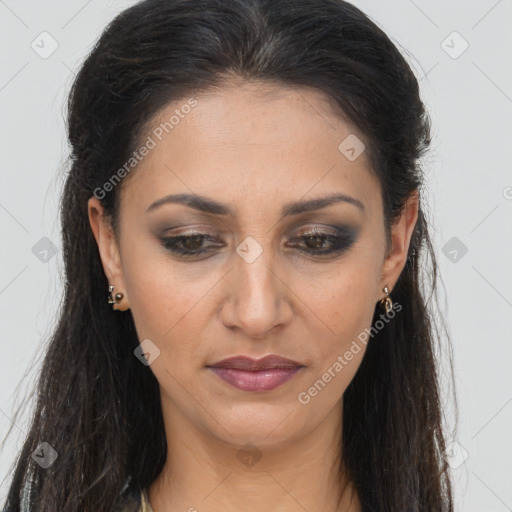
252	142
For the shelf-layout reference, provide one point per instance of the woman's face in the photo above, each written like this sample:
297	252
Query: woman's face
278	273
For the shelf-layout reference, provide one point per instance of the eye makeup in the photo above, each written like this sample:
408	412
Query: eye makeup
313	241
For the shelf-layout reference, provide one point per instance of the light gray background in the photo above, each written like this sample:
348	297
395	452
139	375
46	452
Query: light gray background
469	175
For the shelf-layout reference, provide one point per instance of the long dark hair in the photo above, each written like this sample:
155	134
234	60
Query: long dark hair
97	405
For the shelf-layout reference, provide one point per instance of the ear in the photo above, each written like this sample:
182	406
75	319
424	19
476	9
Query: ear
109	251
401	233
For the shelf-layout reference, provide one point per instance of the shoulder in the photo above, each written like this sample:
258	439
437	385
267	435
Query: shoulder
129	501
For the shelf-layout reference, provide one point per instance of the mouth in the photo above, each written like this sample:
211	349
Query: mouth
249	374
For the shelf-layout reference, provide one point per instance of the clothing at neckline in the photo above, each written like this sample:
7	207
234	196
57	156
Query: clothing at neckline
144	499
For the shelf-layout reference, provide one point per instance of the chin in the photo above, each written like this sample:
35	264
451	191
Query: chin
256	423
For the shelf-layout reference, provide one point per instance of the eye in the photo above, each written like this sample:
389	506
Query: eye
188	245
320	243
315	242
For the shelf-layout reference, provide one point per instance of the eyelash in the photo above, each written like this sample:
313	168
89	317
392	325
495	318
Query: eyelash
341	242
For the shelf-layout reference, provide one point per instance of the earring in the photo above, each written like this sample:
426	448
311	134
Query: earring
111	300
386	302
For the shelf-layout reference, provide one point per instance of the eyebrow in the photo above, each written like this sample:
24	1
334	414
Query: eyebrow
208	205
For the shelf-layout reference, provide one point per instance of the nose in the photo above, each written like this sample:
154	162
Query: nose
258	299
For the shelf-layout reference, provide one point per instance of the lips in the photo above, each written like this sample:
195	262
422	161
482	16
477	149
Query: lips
249	364
249	374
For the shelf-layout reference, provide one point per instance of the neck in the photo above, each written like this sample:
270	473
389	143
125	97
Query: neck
203	472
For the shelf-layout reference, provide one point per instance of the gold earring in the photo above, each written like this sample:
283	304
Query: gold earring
118	298
386	302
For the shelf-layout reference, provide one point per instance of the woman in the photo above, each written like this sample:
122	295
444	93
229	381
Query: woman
244	324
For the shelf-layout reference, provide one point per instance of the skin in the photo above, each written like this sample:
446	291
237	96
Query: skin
254	147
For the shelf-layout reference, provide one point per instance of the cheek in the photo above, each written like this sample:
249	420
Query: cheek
168	301
346	308
345	297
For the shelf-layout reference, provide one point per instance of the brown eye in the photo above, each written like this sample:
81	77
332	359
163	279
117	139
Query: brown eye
193	242
318	242
188	245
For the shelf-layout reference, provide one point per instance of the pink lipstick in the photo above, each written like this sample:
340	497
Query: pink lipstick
249	374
